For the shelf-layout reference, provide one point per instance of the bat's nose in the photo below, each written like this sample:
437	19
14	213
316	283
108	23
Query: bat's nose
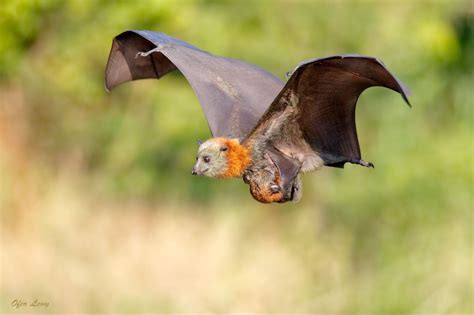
193	172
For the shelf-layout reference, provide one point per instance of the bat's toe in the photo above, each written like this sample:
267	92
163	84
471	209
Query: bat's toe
363	163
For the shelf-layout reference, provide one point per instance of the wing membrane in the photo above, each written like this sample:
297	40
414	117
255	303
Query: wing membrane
233	94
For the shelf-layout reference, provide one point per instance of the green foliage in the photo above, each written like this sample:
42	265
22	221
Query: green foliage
59	50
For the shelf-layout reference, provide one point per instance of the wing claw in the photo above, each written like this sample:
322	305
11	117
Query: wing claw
147	53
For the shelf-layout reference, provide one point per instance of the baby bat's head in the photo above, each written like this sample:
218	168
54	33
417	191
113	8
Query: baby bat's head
264	186
222	158
267	184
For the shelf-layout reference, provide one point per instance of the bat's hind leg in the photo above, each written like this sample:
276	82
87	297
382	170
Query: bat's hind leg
362	162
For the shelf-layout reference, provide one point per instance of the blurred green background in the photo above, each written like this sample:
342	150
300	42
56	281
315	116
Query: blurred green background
99	212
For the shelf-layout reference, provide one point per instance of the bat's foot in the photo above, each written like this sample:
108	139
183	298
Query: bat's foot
363	163
147	53
296	190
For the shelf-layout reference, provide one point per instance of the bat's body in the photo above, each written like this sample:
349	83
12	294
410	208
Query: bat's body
266	131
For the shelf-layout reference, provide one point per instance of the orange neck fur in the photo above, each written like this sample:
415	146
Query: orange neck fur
238	158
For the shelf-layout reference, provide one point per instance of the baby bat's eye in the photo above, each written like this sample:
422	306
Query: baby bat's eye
246	178
197	158
206	159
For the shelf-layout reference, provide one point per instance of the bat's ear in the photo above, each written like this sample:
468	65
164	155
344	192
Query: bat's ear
199	142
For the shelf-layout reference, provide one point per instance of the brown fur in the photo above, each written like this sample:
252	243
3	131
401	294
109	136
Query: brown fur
238	158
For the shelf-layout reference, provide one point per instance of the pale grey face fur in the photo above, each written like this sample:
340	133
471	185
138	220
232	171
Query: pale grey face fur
211	159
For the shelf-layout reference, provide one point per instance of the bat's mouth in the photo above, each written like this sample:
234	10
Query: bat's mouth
194	172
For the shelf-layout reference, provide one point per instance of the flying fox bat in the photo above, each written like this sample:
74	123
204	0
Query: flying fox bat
264	130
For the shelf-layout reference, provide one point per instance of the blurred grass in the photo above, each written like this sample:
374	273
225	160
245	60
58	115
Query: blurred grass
100	214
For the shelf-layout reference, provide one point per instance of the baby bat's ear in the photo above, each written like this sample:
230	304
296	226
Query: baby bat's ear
199	142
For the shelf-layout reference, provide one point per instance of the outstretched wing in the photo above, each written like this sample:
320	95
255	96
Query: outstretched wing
318	104
233	94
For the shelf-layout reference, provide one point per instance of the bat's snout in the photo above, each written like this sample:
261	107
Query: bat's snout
193	171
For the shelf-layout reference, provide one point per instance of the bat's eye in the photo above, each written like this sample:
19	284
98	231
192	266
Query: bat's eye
206	159
197	158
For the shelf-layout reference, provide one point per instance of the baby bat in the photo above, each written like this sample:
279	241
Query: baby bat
264	130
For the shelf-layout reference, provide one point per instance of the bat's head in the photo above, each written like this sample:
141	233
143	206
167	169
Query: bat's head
221	158
211	159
